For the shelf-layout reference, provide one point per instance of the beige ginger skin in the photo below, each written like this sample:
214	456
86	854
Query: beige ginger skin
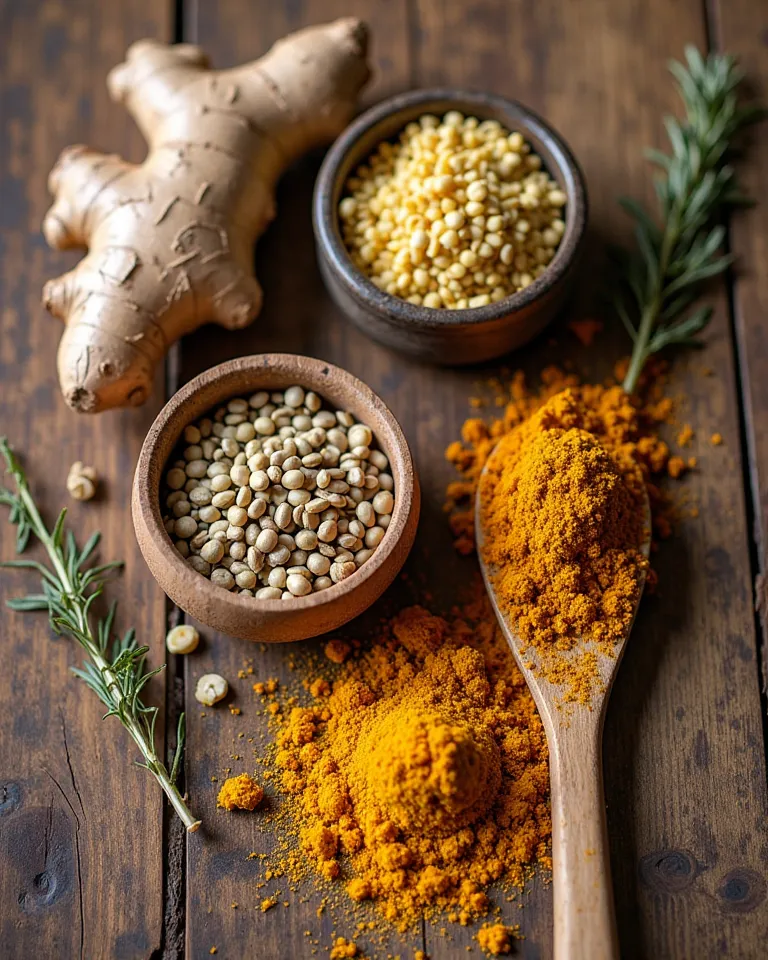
170	241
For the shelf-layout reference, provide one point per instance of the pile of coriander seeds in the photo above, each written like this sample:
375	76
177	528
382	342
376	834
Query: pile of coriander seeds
278	496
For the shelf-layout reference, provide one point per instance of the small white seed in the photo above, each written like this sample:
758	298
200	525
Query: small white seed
81	481
221	577
210	689
212	551
266	541
269	593
298	585
182	639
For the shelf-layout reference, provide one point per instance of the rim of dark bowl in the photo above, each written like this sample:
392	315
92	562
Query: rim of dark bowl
555	153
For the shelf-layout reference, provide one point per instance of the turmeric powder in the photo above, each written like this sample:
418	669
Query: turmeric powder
240	792
423	777
626	429
497	938
620	422
564	523
343	949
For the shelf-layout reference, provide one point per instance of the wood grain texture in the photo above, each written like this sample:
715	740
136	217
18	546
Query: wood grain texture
80	828
741	28
683	757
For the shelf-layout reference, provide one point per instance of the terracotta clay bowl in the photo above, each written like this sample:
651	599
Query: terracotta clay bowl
446	336
247	617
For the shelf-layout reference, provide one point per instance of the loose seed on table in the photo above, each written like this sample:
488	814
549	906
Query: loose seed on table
182	639
210	689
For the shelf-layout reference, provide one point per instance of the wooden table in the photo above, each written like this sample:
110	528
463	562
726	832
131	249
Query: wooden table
91	864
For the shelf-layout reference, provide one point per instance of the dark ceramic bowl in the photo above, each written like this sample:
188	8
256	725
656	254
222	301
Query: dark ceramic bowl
446	336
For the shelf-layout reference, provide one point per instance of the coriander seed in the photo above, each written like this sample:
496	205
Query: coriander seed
277	496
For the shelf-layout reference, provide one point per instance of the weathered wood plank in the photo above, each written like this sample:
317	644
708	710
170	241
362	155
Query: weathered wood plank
684	764
741	28
80	828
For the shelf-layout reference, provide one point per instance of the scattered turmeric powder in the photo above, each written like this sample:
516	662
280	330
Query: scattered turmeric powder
676	467
716	439
337	651
685	435
268	903
240	792
424	772
497	939
342	949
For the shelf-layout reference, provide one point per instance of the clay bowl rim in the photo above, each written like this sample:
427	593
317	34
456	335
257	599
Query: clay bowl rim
337	166
182	409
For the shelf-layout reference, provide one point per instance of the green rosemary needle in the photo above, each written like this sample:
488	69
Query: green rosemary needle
664	275
69	588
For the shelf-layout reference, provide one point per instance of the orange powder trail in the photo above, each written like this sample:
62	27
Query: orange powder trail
421	776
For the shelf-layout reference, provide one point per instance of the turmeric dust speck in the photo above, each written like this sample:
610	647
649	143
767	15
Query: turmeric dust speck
497	939
241	792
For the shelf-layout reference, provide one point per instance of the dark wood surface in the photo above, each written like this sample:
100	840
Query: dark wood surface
86	865
81	858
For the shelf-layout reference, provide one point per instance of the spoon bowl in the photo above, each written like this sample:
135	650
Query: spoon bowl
584	921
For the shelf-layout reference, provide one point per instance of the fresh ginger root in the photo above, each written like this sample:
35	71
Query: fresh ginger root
170	241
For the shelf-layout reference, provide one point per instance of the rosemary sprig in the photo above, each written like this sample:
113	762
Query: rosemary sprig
69	589
663	277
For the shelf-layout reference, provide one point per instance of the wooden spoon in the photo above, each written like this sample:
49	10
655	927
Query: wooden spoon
585	925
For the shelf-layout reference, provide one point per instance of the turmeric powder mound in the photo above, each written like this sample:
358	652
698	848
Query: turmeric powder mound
423	777
622	423
564	522
240	792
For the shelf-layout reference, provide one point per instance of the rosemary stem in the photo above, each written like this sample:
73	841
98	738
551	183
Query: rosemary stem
651	312
154	763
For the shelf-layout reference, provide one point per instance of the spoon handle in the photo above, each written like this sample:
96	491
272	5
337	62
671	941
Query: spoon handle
585	925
